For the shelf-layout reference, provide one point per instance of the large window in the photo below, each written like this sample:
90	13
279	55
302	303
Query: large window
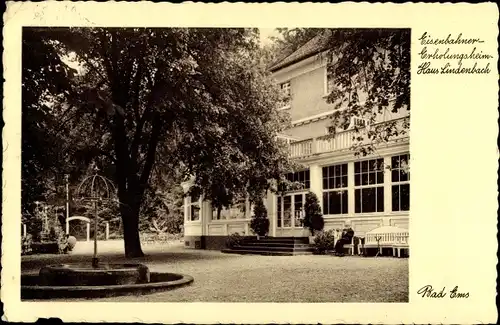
369	186
335	196
194	208
303	177
290	209
235	211
400	174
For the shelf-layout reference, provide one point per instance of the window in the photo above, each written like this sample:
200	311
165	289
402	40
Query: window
302	177
329	81
298	205
235	211
335	189
287	211
280	211
286	92
290	210
369	186
194	208
400	173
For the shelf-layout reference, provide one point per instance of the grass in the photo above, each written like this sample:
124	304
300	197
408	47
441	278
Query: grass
248	278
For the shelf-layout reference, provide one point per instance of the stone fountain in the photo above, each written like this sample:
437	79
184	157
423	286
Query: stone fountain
96	279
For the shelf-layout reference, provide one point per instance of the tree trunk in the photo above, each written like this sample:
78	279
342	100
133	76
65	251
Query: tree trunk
131	233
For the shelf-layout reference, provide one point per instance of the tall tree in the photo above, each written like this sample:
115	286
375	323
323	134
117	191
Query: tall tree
46	80
149	100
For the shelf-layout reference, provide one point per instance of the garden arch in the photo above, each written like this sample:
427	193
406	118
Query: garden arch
76	229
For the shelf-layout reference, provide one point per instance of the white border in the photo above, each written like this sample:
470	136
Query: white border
454	129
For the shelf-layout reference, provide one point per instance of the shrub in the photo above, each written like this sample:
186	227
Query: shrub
53	236
64	244
260	222
34	228
234	240
26	242
324	241
313	218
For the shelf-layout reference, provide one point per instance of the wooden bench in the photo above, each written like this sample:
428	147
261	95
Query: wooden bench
391	237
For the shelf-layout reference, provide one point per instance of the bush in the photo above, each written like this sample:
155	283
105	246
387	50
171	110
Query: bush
313	218
324	241
34	228
64	244
234	240
26	242
53	236
260	222
115	235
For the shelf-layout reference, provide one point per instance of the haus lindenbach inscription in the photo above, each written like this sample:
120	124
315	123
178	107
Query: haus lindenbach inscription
452	55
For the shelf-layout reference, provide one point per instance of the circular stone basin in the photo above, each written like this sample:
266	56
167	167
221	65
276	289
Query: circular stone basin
32	288
86	275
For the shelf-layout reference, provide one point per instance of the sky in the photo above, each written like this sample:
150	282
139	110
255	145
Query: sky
265	34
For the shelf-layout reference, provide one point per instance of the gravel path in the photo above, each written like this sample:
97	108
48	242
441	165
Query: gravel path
252	278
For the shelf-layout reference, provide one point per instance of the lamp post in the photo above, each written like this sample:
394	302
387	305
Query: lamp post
66	177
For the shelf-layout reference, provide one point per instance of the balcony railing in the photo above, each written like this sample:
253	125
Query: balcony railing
340	141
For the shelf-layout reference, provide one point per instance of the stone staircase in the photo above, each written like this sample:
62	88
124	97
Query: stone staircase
279	246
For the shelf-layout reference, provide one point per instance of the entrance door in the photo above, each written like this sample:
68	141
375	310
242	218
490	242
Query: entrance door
289	215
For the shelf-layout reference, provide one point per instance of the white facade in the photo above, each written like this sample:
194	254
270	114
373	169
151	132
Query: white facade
348	187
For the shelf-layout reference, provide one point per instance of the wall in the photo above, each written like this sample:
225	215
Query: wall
308	89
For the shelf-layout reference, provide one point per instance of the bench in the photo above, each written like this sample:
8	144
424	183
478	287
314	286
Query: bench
391	237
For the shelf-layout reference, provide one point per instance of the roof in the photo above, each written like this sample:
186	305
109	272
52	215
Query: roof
314	46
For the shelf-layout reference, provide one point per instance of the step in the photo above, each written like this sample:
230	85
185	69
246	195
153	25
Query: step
272	248
260	252
278	240
286	245
271	244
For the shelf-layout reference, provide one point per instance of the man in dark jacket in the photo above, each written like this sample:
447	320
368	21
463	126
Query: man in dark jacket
345	238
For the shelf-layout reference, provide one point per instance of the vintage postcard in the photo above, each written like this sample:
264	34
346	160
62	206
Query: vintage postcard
250	163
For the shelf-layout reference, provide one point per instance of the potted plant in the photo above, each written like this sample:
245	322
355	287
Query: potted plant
260	222
313	217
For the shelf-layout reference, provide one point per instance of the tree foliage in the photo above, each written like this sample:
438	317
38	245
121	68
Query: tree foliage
143	102
370	71
46	80
291	39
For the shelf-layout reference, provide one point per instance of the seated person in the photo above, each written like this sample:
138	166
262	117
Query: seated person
345	238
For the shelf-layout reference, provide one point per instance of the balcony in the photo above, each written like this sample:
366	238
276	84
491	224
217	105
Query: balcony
340	141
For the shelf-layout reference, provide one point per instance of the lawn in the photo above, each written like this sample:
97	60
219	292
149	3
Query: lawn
251	278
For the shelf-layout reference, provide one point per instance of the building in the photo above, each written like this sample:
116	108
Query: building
355	189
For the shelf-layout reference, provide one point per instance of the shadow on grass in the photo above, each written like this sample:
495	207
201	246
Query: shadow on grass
33	263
